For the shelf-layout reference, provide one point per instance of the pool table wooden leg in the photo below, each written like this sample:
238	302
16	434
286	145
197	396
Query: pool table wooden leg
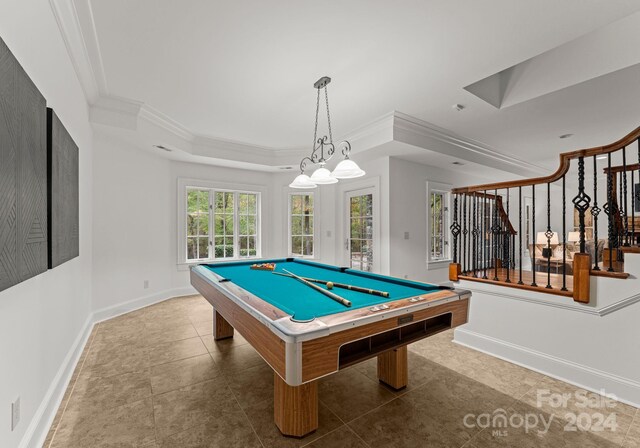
295	407
221	328
393	368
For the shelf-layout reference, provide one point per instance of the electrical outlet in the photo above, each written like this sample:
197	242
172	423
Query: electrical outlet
146	284
15	413
406	235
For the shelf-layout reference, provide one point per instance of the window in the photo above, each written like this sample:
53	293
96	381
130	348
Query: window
235	230
361	231
438	223
301	214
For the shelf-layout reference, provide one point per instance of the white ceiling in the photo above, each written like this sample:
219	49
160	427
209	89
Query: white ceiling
243	70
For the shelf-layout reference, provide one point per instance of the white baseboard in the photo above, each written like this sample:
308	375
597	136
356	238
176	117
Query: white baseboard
626	390
135	304
36	433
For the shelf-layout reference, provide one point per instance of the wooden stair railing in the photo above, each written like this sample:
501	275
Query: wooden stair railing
475	233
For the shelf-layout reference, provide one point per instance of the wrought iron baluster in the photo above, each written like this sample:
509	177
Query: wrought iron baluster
625	221
464	233
507	239
486	238
611	212
455	228
564	233
633	208
620	229
474	233
533	234
520	282
581	203
549	235
595	211
495	230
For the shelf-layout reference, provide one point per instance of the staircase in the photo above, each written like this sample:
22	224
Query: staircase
553	234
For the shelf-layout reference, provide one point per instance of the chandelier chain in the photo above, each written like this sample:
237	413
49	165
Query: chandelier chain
326	97
315	130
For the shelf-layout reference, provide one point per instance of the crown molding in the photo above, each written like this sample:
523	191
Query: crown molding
412	130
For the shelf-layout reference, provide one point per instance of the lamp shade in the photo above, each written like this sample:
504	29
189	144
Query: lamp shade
302	181
573	237
322	176
347	169
541	238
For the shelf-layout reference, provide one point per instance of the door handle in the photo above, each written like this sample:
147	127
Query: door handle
346	243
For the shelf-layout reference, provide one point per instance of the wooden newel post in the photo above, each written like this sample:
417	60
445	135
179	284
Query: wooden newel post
454	271
581	277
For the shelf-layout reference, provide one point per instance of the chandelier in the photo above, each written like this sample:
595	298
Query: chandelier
323	150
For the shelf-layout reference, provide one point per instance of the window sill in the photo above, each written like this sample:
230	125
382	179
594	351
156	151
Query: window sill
186	265
438	264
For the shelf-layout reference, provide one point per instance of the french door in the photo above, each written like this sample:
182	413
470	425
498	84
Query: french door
359	229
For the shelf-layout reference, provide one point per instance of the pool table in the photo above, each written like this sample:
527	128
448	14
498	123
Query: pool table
305	335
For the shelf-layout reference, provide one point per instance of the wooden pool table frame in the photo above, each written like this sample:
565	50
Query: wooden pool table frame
302	352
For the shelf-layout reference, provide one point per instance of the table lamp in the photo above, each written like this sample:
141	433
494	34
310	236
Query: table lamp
573	237
541	238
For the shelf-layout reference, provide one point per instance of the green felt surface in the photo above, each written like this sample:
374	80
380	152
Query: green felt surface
305	303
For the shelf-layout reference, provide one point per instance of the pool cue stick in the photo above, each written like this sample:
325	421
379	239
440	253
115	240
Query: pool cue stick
374	292
329	294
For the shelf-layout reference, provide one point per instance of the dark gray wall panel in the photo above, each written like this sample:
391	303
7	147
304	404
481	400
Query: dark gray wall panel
23	174
63	193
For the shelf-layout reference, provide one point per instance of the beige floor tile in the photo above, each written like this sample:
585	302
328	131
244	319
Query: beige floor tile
342	437
170	334
204	327
131	425
231	430
632	440
173	375
191	406
349	394
396	425
98	393
107	360
176	350
449	399
238	359
252	385
261	418
224	344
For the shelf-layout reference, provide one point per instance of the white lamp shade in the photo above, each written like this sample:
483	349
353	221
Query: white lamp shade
573	237
322	176
541	238
302	181
347	169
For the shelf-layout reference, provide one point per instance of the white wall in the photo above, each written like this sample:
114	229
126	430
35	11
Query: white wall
41	319
408	213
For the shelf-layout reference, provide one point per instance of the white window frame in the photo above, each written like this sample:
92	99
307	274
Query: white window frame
184	185
445	190
315	215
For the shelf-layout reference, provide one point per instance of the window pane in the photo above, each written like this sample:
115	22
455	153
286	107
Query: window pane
296	225
204	201
253	204
356	228
243	203
368	227
243	226
203	224
308	204
203	247
251	226
355	206
219	228
296	204
228	202
228	253
192	201
219	202
192	250
296	245
244	244
307	245
228	225
192	225
252	244
307	225
368	204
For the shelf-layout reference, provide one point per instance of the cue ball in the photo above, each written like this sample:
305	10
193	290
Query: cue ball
329	285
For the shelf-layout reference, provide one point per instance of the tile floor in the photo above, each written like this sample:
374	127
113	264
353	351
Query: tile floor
155	378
